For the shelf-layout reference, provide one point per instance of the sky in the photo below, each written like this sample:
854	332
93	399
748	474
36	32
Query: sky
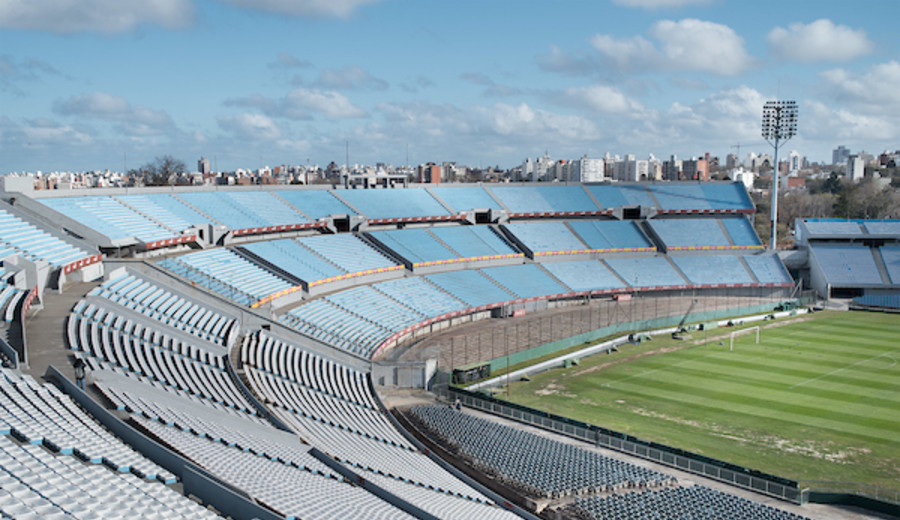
113	84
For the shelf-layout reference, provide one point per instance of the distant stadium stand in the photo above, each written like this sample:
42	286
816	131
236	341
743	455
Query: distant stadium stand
417	245
315	203
768	269
544	199
165	209
846	264
611	235
109	217
19	237
471	287
525	281
890	255
291	256
463	198
227	274
347	252
473	241
653	271
612	196
584	275
713	269
547	237
386	204
700	233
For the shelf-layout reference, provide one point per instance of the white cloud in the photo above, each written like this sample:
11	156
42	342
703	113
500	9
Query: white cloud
685	45
704	46
821	40
323	8
104	16
831	124
349	78
40	133
302	104
132	119
252	127
329	103
874	92
656	4
724	118
601	98
286	60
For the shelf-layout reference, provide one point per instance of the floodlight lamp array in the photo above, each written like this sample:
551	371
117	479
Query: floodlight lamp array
779	120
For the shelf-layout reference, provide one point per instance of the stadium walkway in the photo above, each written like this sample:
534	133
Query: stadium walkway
45	331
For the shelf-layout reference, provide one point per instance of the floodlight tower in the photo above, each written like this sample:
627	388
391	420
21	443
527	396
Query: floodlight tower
779	123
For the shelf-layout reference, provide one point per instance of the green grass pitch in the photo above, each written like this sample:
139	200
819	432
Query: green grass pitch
816	399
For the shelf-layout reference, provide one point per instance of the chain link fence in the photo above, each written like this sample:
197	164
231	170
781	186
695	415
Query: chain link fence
480	342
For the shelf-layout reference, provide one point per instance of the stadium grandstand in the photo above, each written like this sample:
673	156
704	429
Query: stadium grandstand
238	342
851	259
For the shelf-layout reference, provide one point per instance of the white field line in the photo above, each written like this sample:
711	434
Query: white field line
835	371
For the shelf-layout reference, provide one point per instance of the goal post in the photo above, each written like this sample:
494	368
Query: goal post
736	333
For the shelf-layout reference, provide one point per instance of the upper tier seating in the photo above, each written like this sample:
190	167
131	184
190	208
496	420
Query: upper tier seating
396	203
683	197
613	196
244	209
544	199
463	198
315	203
883	227
165	209
109	217
20	238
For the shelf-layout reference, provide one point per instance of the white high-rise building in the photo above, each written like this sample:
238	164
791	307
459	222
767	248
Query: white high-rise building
795	161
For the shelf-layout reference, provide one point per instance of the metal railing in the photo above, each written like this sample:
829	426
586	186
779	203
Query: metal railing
852	488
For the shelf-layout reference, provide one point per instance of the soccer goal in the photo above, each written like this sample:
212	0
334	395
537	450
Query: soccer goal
736	333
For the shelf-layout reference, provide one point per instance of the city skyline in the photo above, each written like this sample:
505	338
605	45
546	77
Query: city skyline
102	84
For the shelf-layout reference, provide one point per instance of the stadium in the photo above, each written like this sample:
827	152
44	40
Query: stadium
265	352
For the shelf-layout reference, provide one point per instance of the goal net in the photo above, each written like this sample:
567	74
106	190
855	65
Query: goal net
742	332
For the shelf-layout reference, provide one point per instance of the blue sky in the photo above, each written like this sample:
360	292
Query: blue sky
91	84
